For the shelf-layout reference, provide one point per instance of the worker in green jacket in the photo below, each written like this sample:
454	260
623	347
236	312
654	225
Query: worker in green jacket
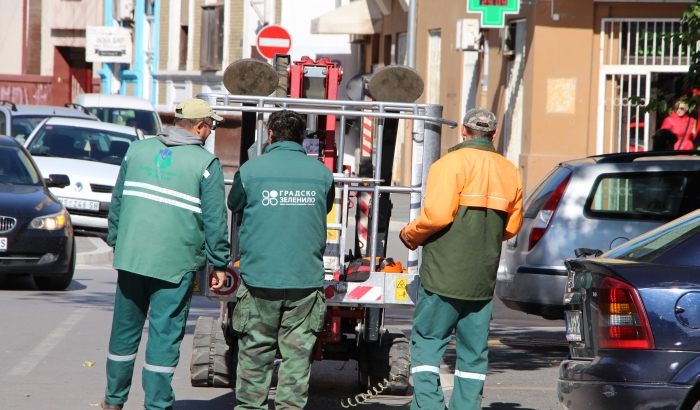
284	196
167	217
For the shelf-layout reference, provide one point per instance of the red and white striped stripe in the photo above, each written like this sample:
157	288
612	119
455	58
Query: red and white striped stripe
365	197
364	293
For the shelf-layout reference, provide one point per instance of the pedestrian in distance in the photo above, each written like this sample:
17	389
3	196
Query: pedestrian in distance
284	196
683	125
473	202
167	217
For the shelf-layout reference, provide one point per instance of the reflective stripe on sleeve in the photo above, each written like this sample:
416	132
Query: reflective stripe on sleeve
158	369
163	200
425	368
116	358
468	375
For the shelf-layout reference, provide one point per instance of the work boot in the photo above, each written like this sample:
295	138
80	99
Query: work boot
107	406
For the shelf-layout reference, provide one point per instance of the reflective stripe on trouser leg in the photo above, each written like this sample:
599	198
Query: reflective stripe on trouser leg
170	304
433	321
130	307
472	334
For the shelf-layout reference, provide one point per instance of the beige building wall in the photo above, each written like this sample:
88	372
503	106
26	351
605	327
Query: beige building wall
11	34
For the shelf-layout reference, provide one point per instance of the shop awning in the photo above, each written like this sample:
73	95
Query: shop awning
358	17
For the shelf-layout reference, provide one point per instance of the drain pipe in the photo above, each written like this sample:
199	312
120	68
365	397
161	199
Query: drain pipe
412	28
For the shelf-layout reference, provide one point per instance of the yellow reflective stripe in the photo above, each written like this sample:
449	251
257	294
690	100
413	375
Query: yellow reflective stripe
163	191
163	200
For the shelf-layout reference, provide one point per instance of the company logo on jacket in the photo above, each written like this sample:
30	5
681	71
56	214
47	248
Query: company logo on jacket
286	197
163	158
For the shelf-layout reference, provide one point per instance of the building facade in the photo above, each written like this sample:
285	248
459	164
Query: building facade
559	76
43	50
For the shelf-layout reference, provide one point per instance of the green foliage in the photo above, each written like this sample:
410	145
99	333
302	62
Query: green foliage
690	36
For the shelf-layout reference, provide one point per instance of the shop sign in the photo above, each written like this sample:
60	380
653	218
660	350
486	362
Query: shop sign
493	12
108	44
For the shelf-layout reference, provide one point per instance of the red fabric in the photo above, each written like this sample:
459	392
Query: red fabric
679	126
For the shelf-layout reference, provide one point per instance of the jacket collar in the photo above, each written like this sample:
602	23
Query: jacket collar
285	146
475	143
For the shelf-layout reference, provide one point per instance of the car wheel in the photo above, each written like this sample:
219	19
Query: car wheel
58	282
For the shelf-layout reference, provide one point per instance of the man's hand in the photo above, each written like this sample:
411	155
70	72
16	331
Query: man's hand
217	278
407	243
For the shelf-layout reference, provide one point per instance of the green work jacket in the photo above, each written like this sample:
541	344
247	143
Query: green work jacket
284	196
167	213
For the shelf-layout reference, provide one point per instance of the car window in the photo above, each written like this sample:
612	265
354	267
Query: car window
3	122
655	243
16	167
535	201
660	196
23	125
146	121
81	143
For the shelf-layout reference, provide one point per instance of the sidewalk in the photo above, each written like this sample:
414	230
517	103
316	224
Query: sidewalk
92	251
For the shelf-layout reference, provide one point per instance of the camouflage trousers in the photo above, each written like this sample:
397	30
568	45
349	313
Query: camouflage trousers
268	320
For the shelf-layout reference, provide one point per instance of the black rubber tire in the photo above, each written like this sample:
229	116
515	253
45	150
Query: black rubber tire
388	356
213	362
58	282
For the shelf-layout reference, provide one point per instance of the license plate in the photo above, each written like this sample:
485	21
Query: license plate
80	204
3	244
573	325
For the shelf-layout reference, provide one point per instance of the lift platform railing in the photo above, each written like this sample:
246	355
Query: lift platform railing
381	289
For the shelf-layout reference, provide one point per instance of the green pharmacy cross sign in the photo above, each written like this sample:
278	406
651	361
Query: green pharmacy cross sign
493	12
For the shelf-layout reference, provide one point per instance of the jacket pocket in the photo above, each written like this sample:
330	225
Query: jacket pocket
241	313
318	313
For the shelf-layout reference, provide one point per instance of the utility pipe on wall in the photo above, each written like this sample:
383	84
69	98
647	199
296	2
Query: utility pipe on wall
412	28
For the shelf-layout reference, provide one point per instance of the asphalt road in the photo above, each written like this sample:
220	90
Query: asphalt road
53	348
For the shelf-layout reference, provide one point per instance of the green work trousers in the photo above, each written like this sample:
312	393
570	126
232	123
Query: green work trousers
271	319
433	322
170	304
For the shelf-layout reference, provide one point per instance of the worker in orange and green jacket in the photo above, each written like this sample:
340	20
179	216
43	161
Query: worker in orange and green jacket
473	202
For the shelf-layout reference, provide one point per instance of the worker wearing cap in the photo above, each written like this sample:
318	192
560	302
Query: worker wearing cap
284	196
473	202
167	218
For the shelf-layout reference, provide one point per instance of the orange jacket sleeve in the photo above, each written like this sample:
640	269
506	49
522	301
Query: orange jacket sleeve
444	184
515	214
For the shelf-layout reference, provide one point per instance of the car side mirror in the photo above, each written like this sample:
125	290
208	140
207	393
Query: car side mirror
57	181
585	252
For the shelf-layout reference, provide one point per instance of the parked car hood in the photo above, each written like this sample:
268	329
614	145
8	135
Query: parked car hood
26	201
87	171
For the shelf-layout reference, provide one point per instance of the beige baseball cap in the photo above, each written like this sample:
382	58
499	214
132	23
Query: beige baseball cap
196	108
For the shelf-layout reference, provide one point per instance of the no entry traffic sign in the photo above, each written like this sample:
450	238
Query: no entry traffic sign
273	40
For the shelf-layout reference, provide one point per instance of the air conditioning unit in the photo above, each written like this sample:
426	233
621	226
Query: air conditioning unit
468	35
123	10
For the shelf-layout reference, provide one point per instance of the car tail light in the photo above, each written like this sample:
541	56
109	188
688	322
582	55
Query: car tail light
544	216
622	320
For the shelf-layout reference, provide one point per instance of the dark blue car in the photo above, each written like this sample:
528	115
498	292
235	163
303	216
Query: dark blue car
633	324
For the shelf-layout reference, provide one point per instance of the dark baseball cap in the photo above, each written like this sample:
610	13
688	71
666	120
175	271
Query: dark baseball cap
480	119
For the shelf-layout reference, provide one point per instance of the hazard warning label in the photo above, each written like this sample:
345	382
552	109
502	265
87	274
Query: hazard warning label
196	287
401	289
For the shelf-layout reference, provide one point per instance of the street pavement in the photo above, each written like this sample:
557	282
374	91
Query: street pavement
53	349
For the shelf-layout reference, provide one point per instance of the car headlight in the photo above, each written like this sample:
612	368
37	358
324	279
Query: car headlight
50	222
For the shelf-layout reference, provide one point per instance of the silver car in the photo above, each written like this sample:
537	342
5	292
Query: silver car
596	203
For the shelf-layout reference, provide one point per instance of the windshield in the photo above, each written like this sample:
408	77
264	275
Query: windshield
655	243
146	121
81	143
16	167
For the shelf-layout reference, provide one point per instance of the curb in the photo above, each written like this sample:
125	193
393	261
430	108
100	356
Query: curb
100	256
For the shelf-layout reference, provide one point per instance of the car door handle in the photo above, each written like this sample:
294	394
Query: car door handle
679	310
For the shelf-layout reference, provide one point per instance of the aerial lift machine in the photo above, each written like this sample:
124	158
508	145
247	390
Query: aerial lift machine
359	285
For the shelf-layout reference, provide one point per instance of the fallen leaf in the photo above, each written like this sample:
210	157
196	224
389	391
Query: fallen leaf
88	364
27	395
93	405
